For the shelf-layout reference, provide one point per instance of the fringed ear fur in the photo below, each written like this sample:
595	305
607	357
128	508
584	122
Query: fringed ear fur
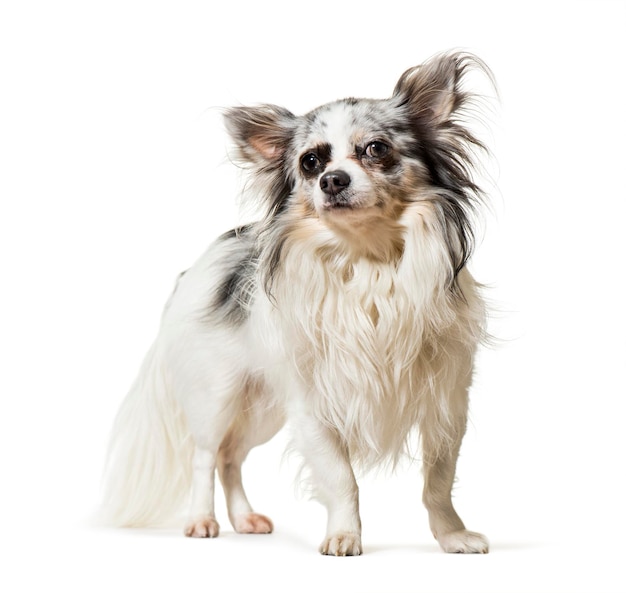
432	90
261	133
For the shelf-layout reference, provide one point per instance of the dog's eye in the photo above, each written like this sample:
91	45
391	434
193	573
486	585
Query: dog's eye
310	162
376	149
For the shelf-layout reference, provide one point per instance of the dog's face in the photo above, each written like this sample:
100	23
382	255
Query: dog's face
351	162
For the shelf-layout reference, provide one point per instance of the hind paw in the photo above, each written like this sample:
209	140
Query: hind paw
202	527
252	523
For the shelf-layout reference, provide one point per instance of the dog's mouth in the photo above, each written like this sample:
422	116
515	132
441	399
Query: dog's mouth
336	205
345	201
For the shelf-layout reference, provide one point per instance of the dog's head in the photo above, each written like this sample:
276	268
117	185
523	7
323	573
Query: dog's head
355	165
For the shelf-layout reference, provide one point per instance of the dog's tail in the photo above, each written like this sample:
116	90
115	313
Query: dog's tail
148	470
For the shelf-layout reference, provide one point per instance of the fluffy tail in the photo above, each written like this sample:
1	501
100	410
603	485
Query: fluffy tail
148	469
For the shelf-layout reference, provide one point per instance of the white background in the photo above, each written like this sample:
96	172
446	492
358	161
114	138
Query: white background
113	178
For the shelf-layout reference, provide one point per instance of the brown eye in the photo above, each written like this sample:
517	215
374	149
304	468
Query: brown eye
310	162
376	149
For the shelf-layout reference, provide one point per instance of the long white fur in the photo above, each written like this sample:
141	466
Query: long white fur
369	334
355	351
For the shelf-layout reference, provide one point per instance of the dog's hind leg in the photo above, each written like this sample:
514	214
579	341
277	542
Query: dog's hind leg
254	426
202	521
210	413
440	457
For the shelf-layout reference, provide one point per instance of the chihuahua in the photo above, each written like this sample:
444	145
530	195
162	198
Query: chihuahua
347	311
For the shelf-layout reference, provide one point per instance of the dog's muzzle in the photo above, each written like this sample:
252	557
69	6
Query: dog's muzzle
334	184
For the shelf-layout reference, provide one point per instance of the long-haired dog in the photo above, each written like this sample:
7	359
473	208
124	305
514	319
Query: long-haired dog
347	309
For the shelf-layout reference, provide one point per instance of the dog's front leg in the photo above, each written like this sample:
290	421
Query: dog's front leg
439	471
334	484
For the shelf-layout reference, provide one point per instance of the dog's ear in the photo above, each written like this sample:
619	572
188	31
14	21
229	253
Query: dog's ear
432	91
261	134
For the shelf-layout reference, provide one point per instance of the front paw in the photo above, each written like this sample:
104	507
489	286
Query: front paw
342	544
205	526
464	542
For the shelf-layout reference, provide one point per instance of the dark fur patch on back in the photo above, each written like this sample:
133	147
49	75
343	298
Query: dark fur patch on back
236	232
234	293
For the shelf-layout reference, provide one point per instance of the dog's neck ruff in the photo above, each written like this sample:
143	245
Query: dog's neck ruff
361	337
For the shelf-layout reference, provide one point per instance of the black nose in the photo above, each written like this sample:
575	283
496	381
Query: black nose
334	181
